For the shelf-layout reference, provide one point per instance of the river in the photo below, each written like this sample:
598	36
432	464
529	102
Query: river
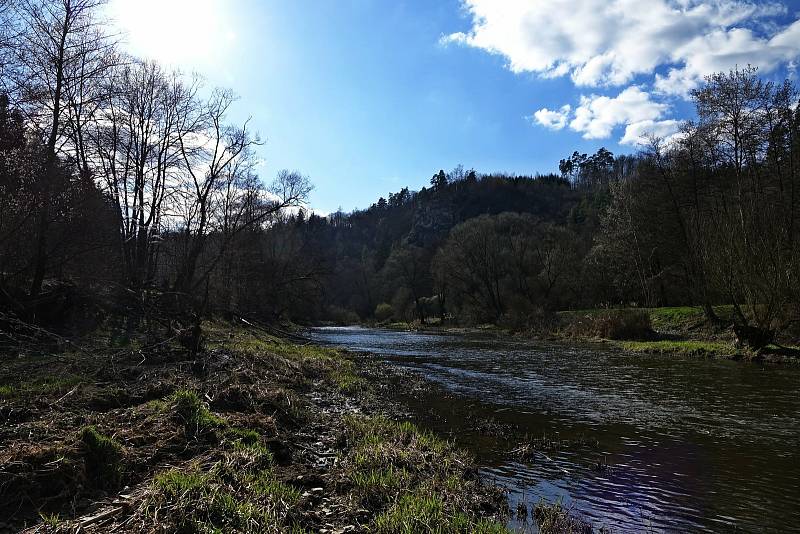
681	444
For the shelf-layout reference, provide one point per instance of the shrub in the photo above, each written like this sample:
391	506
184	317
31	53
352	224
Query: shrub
522	315
613	324
342	317
383	312
625	324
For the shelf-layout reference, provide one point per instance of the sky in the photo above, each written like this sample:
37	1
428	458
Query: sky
368	96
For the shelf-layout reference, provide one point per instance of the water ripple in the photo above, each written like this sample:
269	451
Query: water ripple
690	445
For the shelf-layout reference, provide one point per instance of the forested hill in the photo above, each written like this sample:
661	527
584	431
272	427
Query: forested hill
384	260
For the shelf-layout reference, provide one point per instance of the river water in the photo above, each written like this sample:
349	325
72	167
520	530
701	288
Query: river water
681	444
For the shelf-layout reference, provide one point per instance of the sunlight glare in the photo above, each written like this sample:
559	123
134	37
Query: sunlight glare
180	33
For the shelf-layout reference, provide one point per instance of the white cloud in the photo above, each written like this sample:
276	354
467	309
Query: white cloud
609	42
553	119
637	133
720	51
597	116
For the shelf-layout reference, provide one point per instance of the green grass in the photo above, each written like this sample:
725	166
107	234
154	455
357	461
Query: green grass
43	386
247	447
684	317
265	484
237	492
423	512
174	483
675	318
248	341
399	325
202	501
51	520
378	431
417	481
689	348
344	376
243	436
380	481
103	457
201	504
196	418
227	498
312	359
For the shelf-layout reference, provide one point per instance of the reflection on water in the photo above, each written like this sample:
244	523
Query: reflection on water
684	444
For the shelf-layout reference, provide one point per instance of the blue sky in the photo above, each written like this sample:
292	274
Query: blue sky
368	96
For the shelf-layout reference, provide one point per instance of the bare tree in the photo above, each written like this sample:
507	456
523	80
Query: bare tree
54	59
7	30
136	140
476	258
222	193
216	157
407	265
750	133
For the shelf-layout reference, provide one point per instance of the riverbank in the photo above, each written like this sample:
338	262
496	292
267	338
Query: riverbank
677	331
254	435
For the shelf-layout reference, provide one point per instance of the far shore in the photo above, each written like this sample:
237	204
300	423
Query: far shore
673	331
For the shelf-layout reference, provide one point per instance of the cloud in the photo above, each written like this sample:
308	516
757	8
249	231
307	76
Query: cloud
553	119
637	133
597	116
720	51
609	42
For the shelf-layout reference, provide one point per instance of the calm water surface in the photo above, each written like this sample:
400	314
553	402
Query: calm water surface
684	444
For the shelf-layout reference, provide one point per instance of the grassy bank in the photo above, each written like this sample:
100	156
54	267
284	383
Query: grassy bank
682	331
685	321
682	347
254	435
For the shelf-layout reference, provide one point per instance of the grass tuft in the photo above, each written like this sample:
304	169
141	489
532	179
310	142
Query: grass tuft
199	503
225	500
103	457
423	512
246	451
196	418
265	484
50	520
555	519
416	480
49	385
380	481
